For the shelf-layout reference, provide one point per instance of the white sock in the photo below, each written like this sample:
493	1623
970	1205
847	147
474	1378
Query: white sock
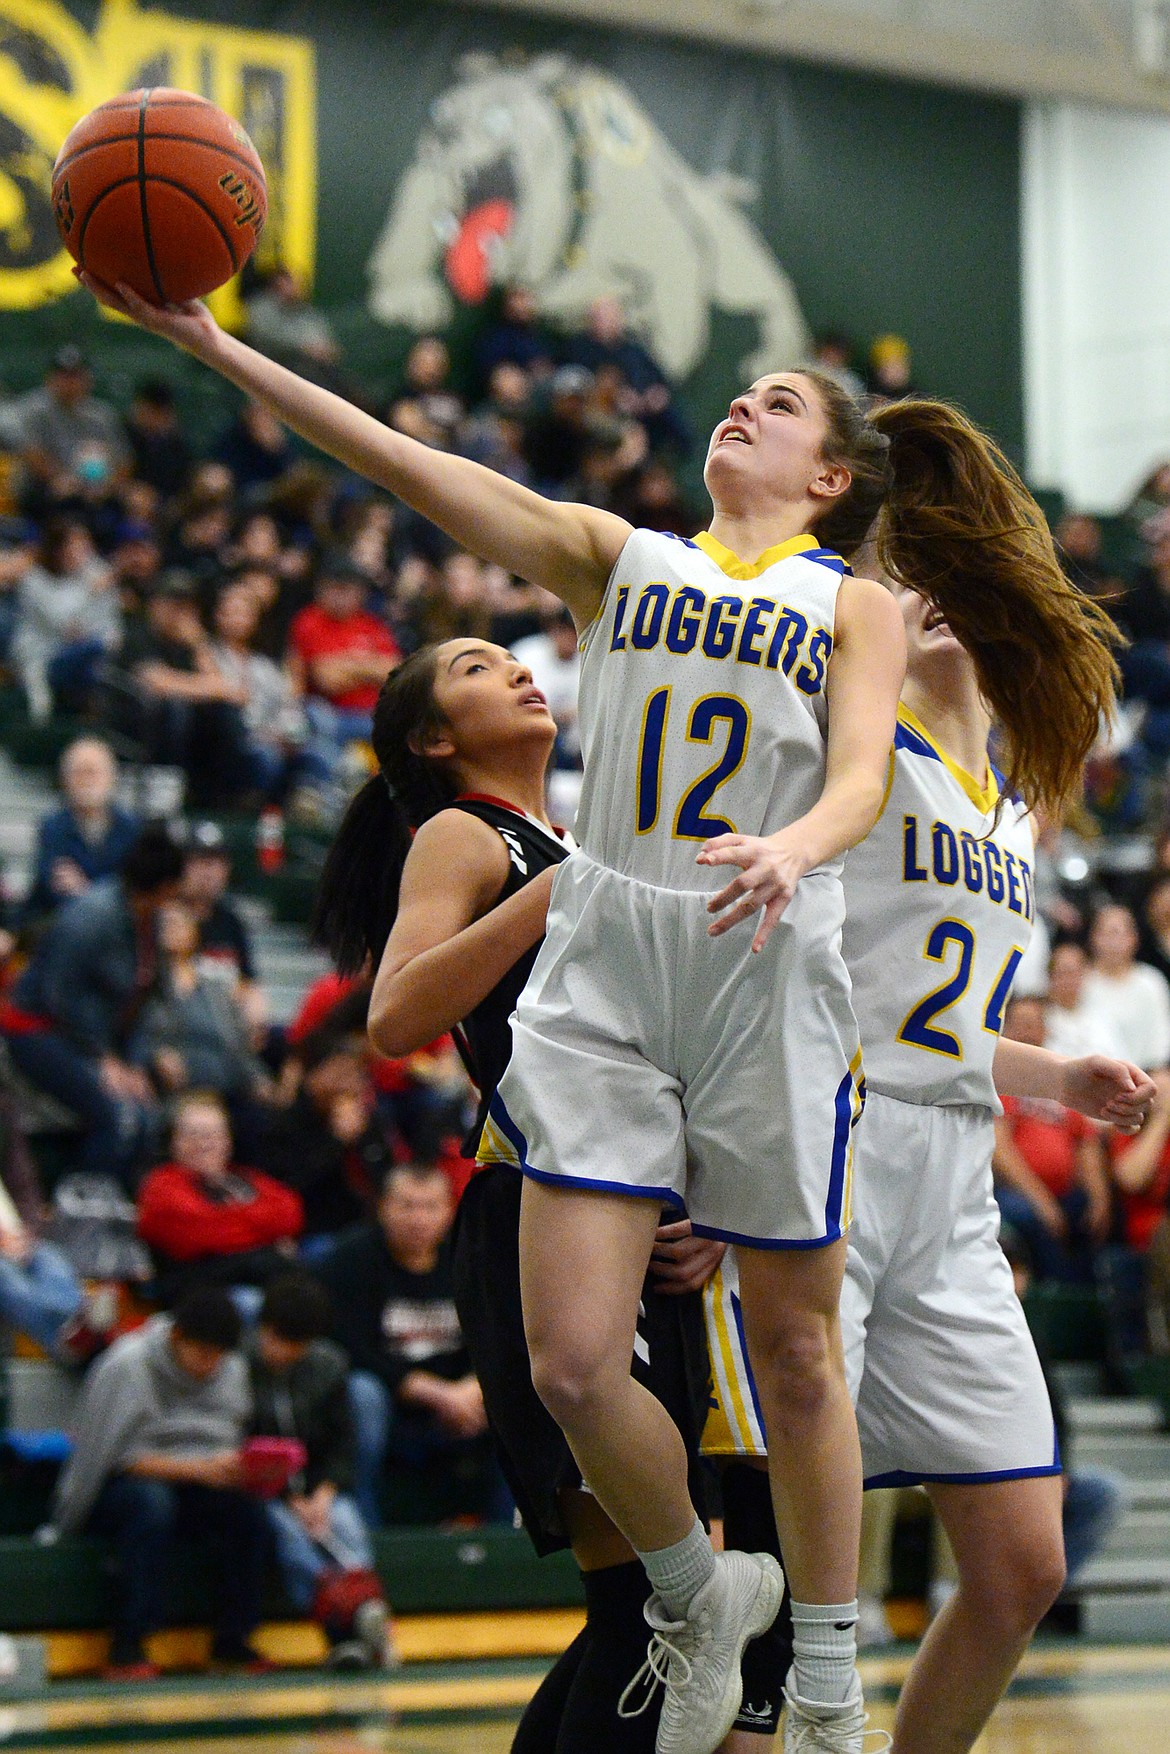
824	1651
678	1573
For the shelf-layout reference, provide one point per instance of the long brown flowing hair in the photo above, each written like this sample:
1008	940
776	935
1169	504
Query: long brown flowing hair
958	525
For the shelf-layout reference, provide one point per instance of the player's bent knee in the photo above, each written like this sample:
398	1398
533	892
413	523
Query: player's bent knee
571	1385
796	1367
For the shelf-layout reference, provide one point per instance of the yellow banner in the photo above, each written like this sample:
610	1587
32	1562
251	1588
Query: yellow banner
52	72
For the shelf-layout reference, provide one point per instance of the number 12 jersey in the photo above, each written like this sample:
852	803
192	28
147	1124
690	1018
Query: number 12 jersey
702	701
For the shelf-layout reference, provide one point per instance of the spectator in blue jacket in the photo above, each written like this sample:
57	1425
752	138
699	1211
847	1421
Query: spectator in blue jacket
73	1009
88	837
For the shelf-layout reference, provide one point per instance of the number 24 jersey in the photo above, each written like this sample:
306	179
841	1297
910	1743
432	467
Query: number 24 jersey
702	701
939	907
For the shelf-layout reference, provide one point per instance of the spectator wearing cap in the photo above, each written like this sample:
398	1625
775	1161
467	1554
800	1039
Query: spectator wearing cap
68	619
559	432
300	1389
72	445
135	559
162	455
156	1461
340	655
88	836
72	1010
225	941
207	1219
189	715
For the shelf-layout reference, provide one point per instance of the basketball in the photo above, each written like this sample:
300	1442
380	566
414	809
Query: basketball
160	189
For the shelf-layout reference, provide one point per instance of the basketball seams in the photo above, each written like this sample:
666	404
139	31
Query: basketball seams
253	164
146	237
170	183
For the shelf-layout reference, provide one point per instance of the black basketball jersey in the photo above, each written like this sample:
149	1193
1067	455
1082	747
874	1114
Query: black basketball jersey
484	1038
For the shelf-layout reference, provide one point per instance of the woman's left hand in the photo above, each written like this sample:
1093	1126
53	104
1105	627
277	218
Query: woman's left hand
769	873
681	1261
1108	1090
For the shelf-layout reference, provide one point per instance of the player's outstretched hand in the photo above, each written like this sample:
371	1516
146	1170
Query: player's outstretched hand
769	873
1108	1090
190	326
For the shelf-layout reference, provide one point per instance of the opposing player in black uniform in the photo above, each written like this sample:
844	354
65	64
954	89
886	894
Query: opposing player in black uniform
440	875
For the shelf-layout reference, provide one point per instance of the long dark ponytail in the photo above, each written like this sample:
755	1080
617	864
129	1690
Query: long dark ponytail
357	899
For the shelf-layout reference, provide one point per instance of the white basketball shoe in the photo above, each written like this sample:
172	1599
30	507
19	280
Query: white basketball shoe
830	1729
697	1659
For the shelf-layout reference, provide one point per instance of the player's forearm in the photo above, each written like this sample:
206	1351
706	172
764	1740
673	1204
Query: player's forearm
1019	1069
420	999
843	815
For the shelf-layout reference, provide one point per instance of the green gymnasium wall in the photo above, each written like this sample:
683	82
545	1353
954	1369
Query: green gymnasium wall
889	206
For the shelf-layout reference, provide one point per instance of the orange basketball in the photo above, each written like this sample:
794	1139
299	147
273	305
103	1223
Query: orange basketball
162	190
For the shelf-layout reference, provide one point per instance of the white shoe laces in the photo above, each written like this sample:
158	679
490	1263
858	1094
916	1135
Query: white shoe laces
654	1673
821	1736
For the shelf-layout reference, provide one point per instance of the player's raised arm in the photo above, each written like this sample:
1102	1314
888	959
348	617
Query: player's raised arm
569	549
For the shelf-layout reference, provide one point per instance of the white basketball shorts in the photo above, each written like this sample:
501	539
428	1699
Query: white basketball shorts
651	1059
938	1354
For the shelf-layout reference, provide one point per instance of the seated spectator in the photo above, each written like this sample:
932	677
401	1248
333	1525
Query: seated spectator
516	337
300	1388
494	434
191	1032
87	838
72	448
1072	1024
201	526
327	1144
71	1011
162	455
427	391
68	619
1141	1169
1080	546
135	560
890	370
832	356
645	394
156	1460
414	1394
1133	996
649	497
281	322
340	654
256	448
188	714
40	1293
560	431
1051	1170
207	1220
274	720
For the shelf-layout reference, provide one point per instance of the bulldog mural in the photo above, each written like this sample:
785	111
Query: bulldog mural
549	173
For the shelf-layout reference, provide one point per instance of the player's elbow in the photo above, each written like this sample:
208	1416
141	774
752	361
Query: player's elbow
392	1030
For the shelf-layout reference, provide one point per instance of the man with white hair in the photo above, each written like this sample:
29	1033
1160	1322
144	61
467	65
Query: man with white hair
88	836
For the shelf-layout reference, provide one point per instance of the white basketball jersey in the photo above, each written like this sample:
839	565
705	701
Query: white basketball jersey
939	905
702	704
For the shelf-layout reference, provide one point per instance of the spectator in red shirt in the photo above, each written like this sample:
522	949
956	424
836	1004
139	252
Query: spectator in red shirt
1051	1170
208	1221
1141	1169
339	656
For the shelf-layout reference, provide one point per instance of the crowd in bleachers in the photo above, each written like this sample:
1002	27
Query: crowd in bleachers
246	1229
